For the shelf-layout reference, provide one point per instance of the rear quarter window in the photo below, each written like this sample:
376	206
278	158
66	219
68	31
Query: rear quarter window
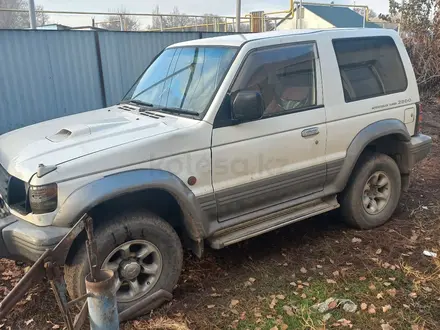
369	67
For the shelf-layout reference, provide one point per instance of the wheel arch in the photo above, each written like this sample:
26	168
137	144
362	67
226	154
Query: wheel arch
388	136
116	188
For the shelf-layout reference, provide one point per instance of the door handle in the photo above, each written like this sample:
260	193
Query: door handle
310	132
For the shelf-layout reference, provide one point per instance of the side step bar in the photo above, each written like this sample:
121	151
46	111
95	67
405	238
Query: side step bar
272	221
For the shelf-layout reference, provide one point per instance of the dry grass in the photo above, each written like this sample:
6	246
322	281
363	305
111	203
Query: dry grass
160	323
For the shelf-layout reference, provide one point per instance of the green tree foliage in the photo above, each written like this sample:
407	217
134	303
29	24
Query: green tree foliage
419	22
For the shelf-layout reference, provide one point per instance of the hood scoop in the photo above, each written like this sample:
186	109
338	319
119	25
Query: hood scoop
81	130
66	133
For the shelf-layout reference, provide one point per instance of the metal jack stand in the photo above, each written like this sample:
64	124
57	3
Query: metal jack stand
101	291
49	265
99	282
100	300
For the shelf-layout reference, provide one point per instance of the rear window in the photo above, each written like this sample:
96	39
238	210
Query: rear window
369	67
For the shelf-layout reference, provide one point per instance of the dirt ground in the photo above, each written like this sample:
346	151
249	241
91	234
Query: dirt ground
273	281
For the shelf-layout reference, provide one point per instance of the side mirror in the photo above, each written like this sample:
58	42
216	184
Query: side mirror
247	106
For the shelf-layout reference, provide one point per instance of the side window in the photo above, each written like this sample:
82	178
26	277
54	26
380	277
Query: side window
369	67
285	77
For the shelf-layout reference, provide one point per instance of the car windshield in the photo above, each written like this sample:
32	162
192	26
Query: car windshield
182	79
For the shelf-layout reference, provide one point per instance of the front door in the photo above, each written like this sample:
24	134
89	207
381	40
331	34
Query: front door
281	156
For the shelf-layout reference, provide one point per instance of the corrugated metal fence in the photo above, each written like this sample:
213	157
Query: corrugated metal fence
49	74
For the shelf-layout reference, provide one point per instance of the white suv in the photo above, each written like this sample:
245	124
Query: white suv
219	140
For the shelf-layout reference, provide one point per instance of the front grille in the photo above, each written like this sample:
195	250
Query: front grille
4	183
13	191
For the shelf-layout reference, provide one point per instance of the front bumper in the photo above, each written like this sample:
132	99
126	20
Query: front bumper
21	240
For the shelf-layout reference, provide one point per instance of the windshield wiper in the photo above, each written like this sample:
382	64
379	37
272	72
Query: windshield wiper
138	102
161	108
177	110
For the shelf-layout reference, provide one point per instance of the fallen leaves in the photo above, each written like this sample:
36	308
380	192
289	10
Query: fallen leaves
29	321
273	303
386	265
343	323
303	270
356	240
414	236
392	292
412	295
330	281
54	326
372	309
386	308
234	302
332	305
364	306
427	289
288	310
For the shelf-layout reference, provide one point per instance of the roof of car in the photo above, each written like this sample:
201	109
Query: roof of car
236	40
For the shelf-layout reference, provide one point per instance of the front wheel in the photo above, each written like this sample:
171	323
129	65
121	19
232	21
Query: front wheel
142	249
373	192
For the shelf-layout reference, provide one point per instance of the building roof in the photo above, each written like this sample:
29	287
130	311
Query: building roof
54	26
340	17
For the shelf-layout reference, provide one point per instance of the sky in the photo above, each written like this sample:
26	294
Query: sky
200	7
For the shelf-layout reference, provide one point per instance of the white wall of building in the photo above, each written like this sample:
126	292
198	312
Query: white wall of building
310	21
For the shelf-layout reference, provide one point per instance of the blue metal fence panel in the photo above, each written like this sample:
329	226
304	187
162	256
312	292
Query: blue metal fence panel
125	55
46	74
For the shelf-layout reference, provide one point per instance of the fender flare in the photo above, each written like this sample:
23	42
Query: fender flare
367	135
85	198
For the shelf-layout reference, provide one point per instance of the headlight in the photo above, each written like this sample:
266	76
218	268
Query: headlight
43	199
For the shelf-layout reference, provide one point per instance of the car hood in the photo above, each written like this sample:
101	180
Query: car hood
61	140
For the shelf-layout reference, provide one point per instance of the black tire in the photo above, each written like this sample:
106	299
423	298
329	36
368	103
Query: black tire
121	228
352	207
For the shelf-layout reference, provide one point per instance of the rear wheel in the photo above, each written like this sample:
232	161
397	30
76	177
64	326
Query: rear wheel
373	192
142	249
